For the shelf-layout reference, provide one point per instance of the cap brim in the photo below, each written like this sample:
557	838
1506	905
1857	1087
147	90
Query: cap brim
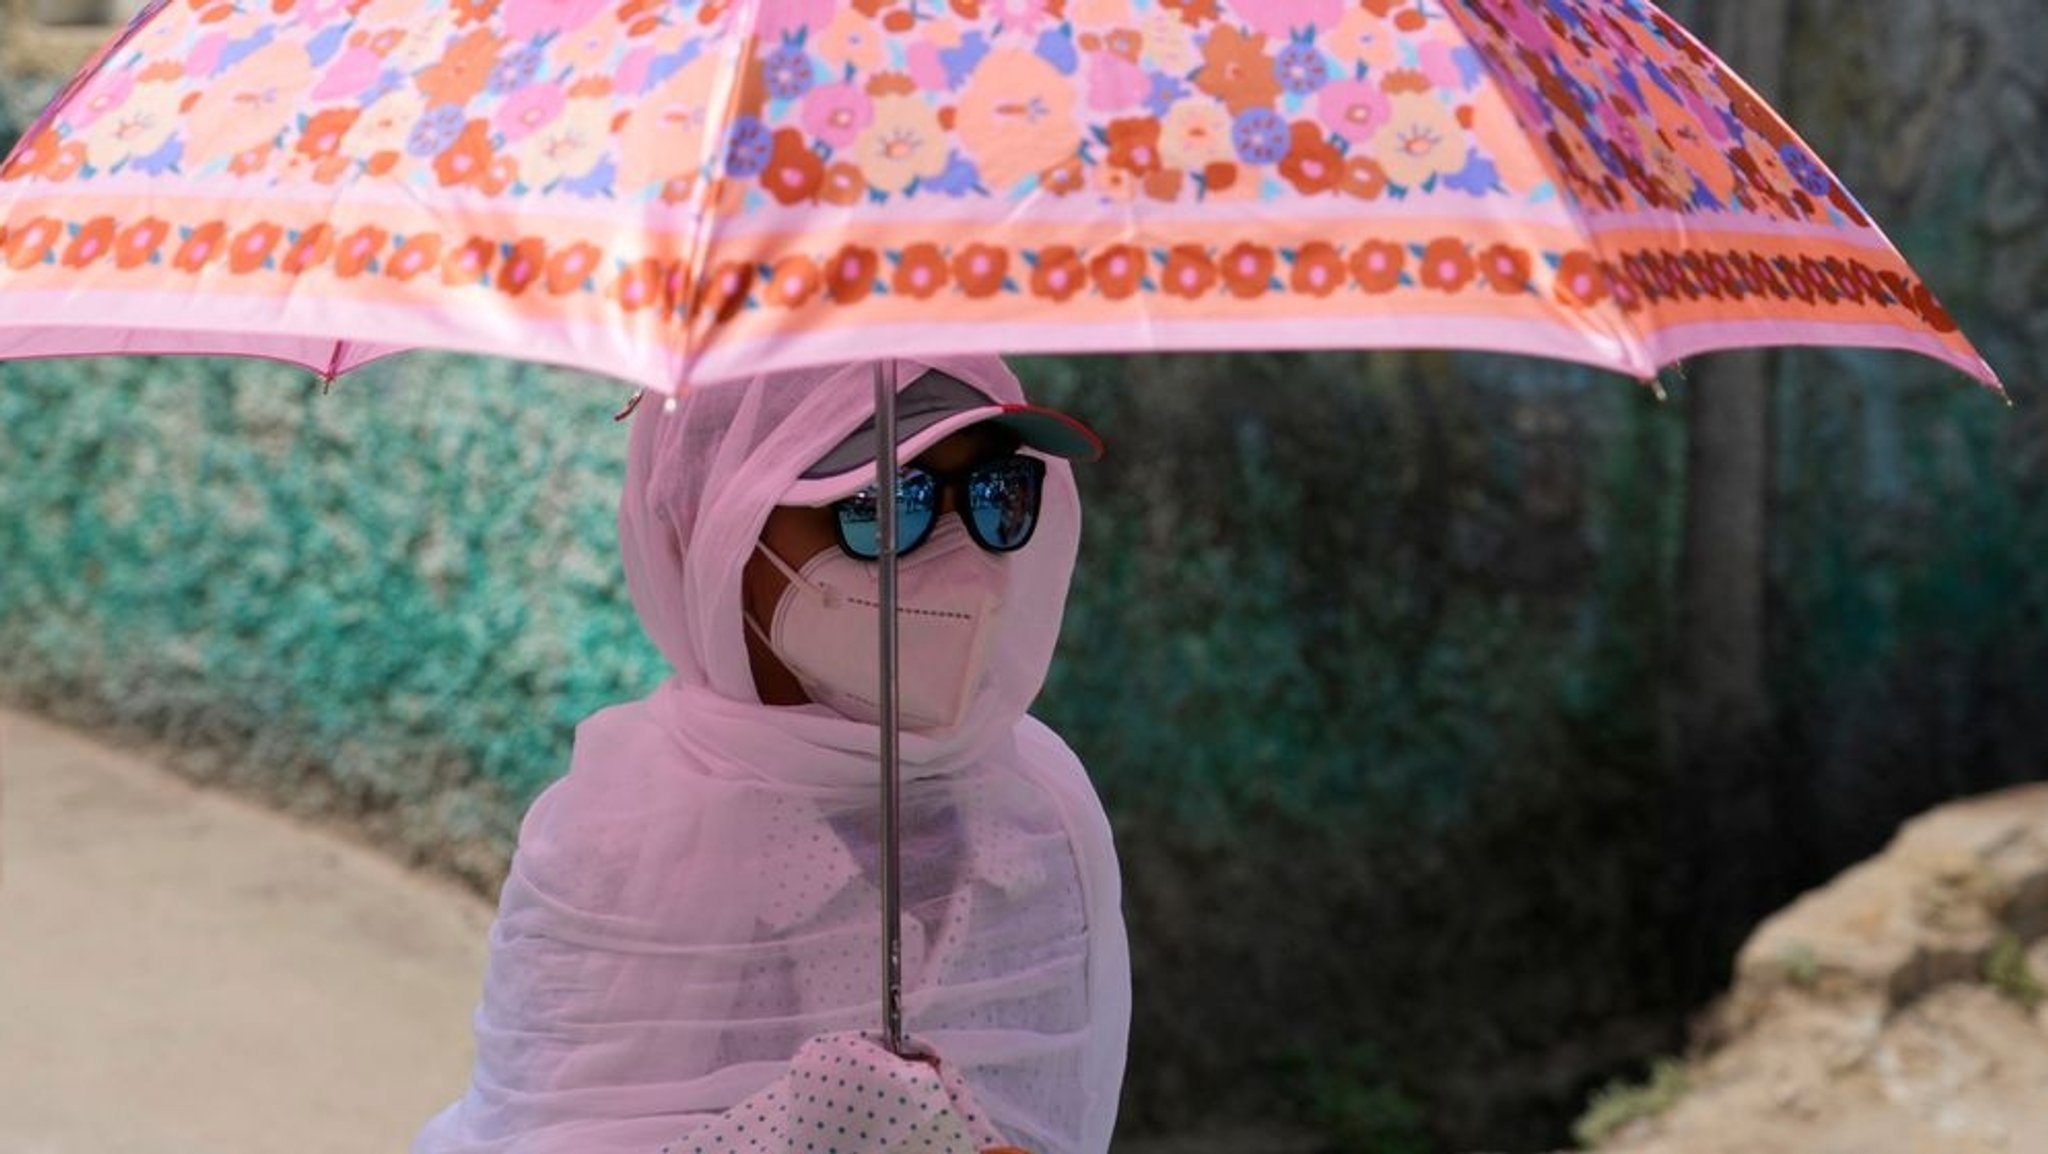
1046	430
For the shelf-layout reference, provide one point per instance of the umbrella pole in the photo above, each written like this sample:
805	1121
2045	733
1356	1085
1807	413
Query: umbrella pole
892	834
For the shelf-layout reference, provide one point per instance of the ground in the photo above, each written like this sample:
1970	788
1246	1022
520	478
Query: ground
184	973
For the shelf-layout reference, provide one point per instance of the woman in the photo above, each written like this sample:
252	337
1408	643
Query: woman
697	896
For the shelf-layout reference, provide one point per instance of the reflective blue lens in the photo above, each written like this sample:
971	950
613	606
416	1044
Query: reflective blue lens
1002	502
860	525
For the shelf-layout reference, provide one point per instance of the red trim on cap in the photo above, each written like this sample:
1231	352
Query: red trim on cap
1086	432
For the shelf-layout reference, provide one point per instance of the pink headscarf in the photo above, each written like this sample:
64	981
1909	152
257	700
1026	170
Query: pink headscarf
695	898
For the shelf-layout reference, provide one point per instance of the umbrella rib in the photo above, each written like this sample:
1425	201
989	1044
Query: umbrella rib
719	119
1636	342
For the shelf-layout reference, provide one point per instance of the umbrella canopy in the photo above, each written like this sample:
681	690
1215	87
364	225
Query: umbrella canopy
669	192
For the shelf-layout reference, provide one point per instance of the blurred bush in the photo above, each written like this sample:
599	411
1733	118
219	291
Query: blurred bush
396	600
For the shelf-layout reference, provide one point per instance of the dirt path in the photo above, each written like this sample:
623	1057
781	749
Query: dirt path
184	973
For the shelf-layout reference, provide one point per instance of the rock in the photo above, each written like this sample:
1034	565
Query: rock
1926	912
1862	1019
32	48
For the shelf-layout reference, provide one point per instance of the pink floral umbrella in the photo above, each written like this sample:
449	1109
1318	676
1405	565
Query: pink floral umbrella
671	191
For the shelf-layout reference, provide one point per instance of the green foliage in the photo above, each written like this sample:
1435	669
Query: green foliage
1622	1103
1802	965
2009	972
412	578
1353	1099
1277	606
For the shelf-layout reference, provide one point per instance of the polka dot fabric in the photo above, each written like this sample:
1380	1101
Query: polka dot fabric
847	1094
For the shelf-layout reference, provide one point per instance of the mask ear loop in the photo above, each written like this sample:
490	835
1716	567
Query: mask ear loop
830	596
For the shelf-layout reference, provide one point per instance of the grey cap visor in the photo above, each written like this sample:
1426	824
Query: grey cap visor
927	411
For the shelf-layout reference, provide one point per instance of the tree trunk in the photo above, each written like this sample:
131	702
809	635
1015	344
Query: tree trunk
1725	817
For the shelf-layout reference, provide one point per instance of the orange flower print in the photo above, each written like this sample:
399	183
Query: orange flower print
251	248
323	133
794	281
1189	271
1118	270
1134	144
1193	13
643	285
1506	268
139	242
1113	184
469	262
1220	176
461	73
842	183
468	12
1377	265
1065	178
725	293
1312	164
1165	184
1318	269
309	250
979	269
28	245
30	157
794	172
355	252
850	274
94	240
890	84
501	174
1059	273
1931	310
920	271
1236	70
1628	295
46	156
1866	278
202	246
1446	265
1580	281
522	266
250	161
468	160
420	252
1363	178
568	268
1247	270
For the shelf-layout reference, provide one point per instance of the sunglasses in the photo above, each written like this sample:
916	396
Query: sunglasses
997	499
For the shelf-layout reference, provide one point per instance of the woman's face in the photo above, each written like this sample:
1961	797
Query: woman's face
799	533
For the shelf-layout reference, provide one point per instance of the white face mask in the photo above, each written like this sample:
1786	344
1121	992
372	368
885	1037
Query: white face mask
949	611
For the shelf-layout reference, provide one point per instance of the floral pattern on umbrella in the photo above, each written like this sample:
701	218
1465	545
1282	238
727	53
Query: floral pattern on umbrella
664	190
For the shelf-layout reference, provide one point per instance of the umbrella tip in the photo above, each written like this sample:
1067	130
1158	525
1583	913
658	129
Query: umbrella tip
668	405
